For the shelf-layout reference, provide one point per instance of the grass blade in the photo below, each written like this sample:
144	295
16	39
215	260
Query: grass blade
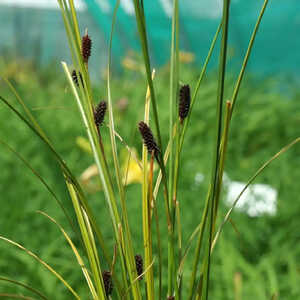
216	160
29	288
88	242
129	254
174	69
57	275
76	253
15	296
68	174
258	172
147	235
40	178
249	50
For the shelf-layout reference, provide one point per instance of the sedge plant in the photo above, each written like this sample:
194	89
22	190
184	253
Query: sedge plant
121	273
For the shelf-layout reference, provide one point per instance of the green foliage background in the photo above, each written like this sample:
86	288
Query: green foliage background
255	257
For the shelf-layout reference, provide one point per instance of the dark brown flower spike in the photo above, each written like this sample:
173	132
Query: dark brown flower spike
184	102
107	280
99	113
86	46
75	78
148	138
139	265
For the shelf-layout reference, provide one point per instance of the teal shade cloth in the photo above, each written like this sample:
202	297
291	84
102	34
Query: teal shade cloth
39	33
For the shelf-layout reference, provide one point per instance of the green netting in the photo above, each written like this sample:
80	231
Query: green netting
39	34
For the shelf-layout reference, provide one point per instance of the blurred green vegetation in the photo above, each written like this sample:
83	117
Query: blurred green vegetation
256	257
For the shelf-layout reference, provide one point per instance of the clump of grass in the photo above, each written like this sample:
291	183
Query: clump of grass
124	269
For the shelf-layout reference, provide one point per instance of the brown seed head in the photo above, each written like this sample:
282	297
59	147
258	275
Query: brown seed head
108	286
99	113
86	46
184	101
139	265
75	77
148	138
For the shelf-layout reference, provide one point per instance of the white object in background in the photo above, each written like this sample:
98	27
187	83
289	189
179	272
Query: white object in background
104	5
50	4
211	9
168	7
257	200
128	7
199	177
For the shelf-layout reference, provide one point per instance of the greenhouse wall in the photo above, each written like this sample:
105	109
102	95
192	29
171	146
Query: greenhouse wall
37	32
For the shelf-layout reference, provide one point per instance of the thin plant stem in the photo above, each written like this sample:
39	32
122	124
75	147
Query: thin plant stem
199	82
129	254
257	173
173	95
31	289
246	59
141	24
149	286
216	160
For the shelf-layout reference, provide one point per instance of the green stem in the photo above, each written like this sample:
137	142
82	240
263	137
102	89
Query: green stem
245	62
172	100
140	19
199	246
214	180
203	71
128	245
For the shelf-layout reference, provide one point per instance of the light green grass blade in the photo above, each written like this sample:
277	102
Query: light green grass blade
258	172
246	59
88	243
174	68
57	275
199	82
140	19
216	159
68	174
27	287
15	296
129	253
147	234
85	104
103	171
50	190
75	22
29	115
77	255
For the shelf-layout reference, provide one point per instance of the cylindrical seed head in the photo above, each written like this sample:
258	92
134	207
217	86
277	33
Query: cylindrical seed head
75	78
148	138
184	102
139	265
107	280
99	113
86	46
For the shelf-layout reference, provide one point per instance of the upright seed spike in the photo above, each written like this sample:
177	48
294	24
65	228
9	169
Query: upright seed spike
86	46
99	113
184	102
148	138
75	78
139	265
107	280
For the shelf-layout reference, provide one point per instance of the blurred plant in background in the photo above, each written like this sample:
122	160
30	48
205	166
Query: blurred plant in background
243	255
